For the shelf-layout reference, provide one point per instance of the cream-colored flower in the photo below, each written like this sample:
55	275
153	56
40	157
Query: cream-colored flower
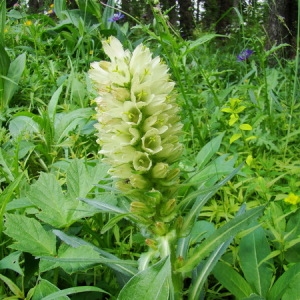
138	123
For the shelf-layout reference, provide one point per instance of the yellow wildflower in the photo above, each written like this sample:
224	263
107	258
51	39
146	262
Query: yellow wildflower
28	23
292	199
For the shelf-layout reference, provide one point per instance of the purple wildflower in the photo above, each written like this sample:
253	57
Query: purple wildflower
244	55
116	17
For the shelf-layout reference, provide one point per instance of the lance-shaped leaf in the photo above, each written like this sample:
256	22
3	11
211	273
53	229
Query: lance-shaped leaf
232	280
254	248
119	266
220	236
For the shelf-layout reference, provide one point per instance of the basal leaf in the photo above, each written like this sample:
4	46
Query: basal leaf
29	235
150	284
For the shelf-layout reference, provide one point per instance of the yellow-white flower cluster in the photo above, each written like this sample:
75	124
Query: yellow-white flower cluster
138	123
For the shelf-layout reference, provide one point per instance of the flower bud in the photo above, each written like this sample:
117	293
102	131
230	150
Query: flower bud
141	208
153	197
168	207
151	244
160	170
139	182
160	228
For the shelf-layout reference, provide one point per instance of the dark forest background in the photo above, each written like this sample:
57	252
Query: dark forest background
278	19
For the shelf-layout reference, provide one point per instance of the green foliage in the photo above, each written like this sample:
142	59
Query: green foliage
65	230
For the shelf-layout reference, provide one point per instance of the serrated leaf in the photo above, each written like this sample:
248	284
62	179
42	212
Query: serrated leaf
47	195
12	262
81	179
29	235
254	247
150	284
54	207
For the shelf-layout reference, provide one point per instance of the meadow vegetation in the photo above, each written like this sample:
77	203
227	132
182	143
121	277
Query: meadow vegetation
218	219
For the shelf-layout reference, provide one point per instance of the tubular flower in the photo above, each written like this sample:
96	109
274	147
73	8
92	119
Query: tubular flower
138	123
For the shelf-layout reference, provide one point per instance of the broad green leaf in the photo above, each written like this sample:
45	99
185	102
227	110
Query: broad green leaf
223	233
283	283
293	291
207	152
254	247
15	71
12	286
150	284
232	280
47	195
59	6
12	262
45	288
81	178
73	290
54	207
66	122
29	235
21	125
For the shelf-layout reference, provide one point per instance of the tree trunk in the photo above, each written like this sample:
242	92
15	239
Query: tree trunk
186	18
282	24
